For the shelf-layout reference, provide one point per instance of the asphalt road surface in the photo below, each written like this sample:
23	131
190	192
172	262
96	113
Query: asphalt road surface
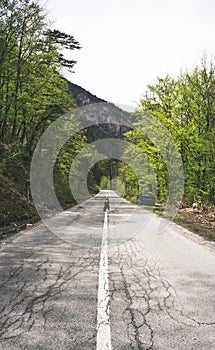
121	280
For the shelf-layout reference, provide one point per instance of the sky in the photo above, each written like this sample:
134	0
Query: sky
127	44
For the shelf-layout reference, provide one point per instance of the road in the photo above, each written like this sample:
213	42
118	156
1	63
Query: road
127	281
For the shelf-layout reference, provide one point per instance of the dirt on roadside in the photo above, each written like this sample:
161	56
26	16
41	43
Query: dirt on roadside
200	221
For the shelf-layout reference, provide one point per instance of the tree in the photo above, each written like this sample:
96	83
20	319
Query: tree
32	92
186	108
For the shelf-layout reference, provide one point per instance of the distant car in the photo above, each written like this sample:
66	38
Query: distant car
146	199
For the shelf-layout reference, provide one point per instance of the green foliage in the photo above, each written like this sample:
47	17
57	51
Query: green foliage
104	182
33	94
186	108
130	181
150	171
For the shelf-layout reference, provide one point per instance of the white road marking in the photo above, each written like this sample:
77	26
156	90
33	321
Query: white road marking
103	310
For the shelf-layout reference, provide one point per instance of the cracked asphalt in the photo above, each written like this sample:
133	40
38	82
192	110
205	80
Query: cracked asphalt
161	283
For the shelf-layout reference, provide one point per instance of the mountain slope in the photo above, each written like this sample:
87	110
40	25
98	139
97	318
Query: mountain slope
15	207
103	117
81	96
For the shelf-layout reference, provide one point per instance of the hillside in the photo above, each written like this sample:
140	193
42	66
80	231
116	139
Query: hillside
101	128
33	94
16	208
81	96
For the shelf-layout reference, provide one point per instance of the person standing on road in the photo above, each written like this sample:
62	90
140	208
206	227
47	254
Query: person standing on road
106	204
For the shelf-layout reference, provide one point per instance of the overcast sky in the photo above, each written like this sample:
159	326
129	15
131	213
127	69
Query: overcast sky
126	44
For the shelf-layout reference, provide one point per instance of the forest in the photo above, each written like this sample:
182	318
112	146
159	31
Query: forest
34	93
186	108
